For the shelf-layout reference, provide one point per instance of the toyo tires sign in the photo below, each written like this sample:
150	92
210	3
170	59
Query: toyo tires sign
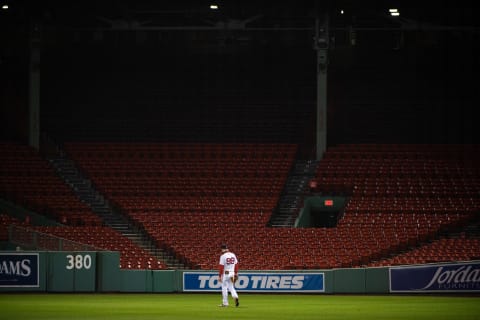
257	282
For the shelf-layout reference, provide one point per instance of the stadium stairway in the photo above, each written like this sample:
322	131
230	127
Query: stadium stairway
85	190
292	195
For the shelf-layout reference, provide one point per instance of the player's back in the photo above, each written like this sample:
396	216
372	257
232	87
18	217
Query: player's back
229	260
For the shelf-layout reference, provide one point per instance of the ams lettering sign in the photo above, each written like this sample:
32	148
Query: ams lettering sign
19	270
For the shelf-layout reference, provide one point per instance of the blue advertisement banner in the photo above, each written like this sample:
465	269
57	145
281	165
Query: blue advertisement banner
257	282
19	270
456	277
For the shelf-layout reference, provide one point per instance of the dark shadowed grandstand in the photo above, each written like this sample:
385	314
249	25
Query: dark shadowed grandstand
163	130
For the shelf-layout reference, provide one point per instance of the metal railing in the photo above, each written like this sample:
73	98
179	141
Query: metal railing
29	239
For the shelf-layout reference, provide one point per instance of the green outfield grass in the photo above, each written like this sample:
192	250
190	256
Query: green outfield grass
253	306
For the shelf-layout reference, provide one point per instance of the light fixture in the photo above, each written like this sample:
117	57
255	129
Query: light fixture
5	7
394	12
214	6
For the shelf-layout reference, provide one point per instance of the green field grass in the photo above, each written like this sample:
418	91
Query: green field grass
253	306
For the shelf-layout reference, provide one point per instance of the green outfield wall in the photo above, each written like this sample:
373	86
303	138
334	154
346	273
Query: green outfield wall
89	271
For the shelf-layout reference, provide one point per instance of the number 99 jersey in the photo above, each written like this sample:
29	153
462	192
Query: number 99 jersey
228	260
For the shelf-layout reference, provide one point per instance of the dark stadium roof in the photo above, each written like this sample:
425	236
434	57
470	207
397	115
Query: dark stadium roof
252	14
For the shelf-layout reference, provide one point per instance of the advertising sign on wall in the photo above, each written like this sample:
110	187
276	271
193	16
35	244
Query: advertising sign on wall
257	282
455	277
19	270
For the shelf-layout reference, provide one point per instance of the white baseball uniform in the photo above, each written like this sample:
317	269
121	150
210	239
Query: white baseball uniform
227	267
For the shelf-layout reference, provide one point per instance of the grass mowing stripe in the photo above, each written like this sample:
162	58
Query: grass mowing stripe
252	306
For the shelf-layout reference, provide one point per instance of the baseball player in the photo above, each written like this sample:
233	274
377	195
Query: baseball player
228	274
